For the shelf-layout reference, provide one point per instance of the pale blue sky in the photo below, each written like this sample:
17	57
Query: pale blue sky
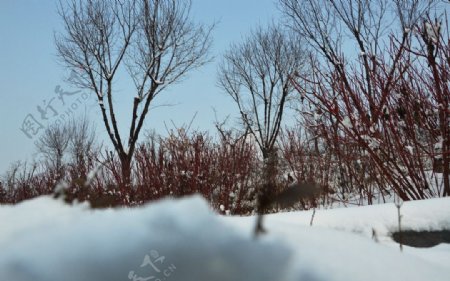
29	71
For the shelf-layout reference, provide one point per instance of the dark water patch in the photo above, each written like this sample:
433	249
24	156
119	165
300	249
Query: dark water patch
422	239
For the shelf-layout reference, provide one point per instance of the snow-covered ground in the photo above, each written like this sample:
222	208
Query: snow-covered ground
46	240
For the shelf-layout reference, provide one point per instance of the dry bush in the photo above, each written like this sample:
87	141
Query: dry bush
183	164
382	114
23	181
399	140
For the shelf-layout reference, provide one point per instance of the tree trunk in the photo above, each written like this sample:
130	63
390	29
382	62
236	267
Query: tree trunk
266	188
125	184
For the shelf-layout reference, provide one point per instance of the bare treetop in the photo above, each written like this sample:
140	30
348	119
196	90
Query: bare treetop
97	35
340	30
327	24
168	45
256	75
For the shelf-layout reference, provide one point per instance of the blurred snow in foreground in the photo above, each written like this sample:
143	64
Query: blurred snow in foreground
173	240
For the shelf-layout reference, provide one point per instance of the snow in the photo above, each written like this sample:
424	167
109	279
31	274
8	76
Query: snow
183	239
346	122
91	175
432	30
410	149
60	188
372	142
438	145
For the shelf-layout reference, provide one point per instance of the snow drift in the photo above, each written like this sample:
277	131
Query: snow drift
46	240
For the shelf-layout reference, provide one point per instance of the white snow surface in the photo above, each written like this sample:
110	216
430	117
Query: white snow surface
183	239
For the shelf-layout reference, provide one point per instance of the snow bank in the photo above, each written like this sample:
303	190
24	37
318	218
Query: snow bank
46	240
424	215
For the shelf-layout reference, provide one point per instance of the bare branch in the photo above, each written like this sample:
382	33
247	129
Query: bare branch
256	75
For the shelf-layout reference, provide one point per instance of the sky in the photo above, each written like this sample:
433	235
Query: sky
31	76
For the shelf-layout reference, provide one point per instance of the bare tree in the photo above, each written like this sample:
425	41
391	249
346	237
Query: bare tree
256	75
53	145
82	147
154	40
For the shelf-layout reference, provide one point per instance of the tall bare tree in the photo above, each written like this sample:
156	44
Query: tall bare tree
256	75
154	40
